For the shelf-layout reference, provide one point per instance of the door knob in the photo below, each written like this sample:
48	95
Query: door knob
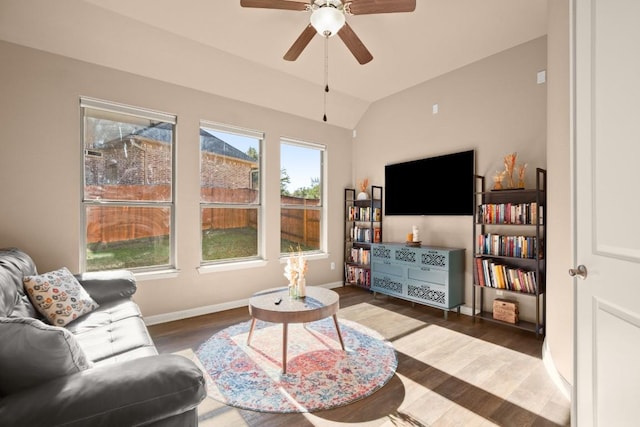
580	271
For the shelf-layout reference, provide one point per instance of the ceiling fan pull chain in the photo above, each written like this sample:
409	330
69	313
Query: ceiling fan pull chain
326	74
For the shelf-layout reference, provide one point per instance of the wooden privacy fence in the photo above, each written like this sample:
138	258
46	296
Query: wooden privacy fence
160	192
222	219
109	224
300	225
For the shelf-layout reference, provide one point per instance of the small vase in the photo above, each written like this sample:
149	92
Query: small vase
510	181
497	183
302	287
293	290
363	195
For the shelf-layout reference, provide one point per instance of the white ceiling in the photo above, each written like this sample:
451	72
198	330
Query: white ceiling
219	47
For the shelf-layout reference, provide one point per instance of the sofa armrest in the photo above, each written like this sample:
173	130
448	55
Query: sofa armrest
105	286
134	392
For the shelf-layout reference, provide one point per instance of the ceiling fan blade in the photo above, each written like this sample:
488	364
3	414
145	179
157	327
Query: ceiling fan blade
274	4
354	44
366	7
302	41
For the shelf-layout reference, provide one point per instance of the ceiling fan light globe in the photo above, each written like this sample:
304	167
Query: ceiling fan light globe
327	20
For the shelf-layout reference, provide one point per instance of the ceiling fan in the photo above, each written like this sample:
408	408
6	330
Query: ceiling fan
328	18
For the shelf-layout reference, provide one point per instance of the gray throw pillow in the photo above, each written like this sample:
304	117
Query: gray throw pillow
32	352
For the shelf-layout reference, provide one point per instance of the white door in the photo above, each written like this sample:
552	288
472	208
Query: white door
607	213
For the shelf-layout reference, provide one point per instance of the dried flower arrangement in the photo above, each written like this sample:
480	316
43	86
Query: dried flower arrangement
497	179
363	185
295	271
522	167
509	165
363	195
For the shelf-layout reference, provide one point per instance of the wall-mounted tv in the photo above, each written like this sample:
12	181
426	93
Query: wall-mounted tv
441	185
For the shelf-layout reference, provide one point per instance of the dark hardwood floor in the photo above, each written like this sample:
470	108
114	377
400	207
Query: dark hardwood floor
453	372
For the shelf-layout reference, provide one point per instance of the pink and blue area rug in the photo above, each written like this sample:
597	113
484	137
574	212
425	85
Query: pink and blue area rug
320	375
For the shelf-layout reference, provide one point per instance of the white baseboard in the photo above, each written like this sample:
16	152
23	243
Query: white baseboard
553	372
208	309
466	310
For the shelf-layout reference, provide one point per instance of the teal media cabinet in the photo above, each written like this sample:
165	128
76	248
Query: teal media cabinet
433	276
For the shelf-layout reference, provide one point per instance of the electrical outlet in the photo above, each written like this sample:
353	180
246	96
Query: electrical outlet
333	265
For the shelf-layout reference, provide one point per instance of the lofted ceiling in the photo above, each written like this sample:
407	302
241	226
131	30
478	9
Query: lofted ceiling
219	47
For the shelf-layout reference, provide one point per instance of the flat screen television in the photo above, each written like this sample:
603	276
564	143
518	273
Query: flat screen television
441	185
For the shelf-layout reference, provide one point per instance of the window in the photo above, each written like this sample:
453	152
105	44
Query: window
301	178
127	205
230	204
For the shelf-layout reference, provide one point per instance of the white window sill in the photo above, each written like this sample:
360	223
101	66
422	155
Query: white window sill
169	273
228	266
310	256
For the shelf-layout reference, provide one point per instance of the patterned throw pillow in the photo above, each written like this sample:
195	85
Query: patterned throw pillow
58	296
33	353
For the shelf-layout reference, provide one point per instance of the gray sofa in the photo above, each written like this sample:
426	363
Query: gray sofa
101	369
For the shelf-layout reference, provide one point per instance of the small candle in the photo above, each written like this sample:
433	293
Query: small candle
409	237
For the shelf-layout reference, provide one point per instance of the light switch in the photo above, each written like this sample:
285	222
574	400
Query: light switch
435	108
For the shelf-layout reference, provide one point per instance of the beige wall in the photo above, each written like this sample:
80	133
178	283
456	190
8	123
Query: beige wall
493	106
560	285
40	174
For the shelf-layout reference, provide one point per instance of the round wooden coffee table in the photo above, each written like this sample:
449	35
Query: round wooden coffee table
275	305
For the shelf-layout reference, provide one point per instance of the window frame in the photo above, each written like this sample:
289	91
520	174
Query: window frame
322	251
239	262
143	113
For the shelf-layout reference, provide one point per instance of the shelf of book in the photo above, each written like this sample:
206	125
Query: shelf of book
509	236
501	273
363	226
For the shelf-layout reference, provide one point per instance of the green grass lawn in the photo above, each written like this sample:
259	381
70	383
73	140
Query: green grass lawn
217	245
128	254
229	243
